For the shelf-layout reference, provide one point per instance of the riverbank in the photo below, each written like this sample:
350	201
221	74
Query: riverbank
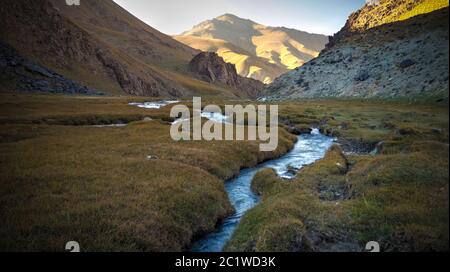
307	149
133	189
126	188
397	196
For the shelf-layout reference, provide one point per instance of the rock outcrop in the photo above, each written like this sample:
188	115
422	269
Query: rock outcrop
213	68
369	58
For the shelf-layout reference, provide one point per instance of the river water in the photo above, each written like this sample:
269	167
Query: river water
308	149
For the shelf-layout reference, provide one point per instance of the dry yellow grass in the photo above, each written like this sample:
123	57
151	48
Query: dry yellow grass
399	197
109	188
388	11
425	7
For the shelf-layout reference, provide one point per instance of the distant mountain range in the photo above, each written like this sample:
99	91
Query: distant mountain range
95	47
389	49
259	52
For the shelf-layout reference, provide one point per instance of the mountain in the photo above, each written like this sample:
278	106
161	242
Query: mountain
258	51
388	49
214	69
101	46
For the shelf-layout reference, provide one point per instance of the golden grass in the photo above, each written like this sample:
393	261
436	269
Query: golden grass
425	7
398	197
205	89
388	11
98	186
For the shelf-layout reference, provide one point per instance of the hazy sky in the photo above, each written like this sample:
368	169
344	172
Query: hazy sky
175	16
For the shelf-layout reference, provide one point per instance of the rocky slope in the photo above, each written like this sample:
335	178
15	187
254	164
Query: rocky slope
404	58
258	51
102	46
214	69
380	12
19	73
40	31
115	26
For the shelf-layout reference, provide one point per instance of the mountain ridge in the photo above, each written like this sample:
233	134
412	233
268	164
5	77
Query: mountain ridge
405	58
42	32
259	52
100	45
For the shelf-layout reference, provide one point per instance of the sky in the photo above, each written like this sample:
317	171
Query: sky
176	16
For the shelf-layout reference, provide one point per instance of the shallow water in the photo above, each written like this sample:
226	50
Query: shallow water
154	105
213	116
307	150
111	125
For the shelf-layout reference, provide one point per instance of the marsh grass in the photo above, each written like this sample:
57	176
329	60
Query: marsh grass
399	197
111	188
134	189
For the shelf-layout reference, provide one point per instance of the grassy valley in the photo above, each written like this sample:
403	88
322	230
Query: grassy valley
133	189
80	161
112	188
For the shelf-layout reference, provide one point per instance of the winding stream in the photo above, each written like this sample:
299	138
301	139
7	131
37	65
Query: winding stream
307	150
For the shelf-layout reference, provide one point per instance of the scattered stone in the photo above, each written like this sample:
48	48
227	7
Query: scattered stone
406	63
408	131
363	75
437	130
355	146
291	170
